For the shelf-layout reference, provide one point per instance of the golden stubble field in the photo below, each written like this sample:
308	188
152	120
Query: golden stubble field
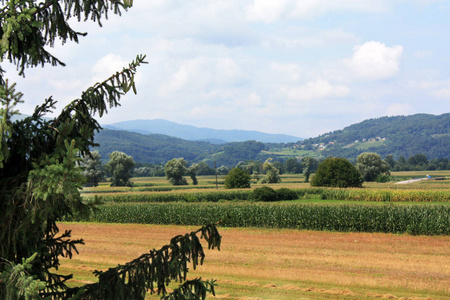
284	264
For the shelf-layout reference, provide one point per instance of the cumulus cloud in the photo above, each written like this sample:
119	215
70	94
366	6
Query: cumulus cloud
399	109
317	90
270	10
375	60
108	65
203	75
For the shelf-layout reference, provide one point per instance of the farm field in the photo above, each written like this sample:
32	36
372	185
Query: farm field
272	253
284	264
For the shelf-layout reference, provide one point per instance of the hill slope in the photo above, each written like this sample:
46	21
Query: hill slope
192	133
399	136
152	148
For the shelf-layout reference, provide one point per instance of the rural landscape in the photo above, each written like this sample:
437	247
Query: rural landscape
350	201
353	244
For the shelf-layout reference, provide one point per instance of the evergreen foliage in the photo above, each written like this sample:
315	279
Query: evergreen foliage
40	173
337	172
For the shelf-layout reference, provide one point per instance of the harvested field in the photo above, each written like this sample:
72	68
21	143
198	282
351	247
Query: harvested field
285	264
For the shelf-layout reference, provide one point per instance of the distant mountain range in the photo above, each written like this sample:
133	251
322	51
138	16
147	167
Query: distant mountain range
192	133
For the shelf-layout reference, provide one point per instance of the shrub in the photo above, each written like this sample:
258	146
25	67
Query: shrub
237	178
337	172
383	178
286	194
265	194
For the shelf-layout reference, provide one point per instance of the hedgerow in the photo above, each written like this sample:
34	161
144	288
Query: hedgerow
376	195
413	219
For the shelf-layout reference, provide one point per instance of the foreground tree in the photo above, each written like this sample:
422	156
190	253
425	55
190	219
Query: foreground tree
175	169
336	172
120	166
40	176
370	165
92	169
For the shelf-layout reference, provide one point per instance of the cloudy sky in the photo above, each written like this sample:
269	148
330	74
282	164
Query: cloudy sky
302	67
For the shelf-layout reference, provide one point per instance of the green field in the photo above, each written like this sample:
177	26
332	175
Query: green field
384	240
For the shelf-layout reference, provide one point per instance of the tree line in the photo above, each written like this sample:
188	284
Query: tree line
124	167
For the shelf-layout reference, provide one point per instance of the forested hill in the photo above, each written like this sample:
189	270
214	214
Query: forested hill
151	148
399	136
158	148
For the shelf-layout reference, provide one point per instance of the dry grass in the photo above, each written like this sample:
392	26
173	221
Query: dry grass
286	264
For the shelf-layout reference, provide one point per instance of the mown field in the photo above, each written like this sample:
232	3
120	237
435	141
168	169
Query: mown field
284	264
385	240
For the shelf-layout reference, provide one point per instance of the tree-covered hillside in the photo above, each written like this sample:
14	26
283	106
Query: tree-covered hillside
158	148
151	148
399	136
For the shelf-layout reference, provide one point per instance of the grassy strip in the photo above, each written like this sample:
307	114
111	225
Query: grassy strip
305	193
413	219
177	197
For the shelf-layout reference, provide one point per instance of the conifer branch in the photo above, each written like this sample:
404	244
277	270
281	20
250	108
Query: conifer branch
155	270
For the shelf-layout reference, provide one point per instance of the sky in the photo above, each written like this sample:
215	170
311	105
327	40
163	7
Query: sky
302	68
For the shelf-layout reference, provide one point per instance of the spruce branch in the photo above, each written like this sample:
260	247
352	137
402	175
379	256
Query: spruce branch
155	270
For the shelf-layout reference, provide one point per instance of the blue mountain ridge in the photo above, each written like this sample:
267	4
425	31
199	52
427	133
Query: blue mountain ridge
192	133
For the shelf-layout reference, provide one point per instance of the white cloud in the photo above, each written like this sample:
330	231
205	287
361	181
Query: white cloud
204	74
375	60
108	65
442	93
399	109
317	90
271	10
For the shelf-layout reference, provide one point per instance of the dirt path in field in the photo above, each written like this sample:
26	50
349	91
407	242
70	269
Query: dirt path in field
286	264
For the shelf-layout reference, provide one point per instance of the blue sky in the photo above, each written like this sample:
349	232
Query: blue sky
295	67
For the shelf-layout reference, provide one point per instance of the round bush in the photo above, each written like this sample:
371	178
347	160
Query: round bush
286	194
237	178
265	194
337	172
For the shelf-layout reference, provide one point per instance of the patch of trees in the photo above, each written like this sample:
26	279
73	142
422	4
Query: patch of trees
237	179
337	172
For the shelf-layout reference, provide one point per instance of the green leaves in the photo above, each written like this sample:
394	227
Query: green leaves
9	98
53	176
28	26
19	283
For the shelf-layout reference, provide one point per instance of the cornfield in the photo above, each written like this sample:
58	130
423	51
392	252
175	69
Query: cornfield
413	219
